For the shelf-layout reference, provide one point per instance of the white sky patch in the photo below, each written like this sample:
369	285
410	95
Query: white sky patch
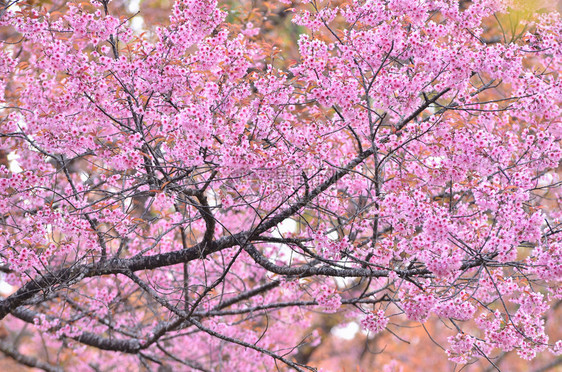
6	289
15	8
343	283
346	331
333	235
13	163
435	161
287	226
283	250
547	179
212	198
137	22
134	6
127	204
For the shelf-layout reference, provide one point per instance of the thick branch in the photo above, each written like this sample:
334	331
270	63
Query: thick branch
87	338
121	266
27	360
71	274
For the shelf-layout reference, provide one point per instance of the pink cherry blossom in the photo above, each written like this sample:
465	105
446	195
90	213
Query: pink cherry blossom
189	182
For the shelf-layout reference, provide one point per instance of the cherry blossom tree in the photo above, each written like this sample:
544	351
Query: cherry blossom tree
184	197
